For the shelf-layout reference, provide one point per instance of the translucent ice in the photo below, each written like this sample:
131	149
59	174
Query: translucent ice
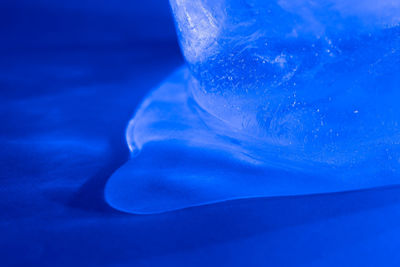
288	96
315	77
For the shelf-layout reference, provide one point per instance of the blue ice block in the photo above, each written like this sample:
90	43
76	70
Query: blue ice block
279	98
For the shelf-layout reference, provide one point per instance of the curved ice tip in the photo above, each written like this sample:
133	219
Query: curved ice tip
132	145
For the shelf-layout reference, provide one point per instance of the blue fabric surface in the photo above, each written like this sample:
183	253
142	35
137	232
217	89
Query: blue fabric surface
71	76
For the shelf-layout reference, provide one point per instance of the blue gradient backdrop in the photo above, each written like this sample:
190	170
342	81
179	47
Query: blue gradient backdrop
71	75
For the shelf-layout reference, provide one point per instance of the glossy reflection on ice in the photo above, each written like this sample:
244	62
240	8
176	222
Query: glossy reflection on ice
289	96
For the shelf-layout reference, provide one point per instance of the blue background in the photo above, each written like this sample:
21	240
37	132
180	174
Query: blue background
71	75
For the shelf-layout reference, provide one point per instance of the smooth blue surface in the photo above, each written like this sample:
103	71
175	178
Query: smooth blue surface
67	89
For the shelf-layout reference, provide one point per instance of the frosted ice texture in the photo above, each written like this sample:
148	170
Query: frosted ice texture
320	79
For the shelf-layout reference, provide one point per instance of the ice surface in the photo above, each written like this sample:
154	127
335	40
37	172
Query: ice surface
279	97
315	77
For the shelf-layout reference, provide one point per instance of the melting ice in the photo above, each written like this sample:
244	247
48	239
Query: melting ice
301	96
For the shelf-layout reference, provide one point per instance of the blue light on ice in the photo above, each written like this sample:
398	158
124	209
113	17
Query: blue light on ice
278	98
